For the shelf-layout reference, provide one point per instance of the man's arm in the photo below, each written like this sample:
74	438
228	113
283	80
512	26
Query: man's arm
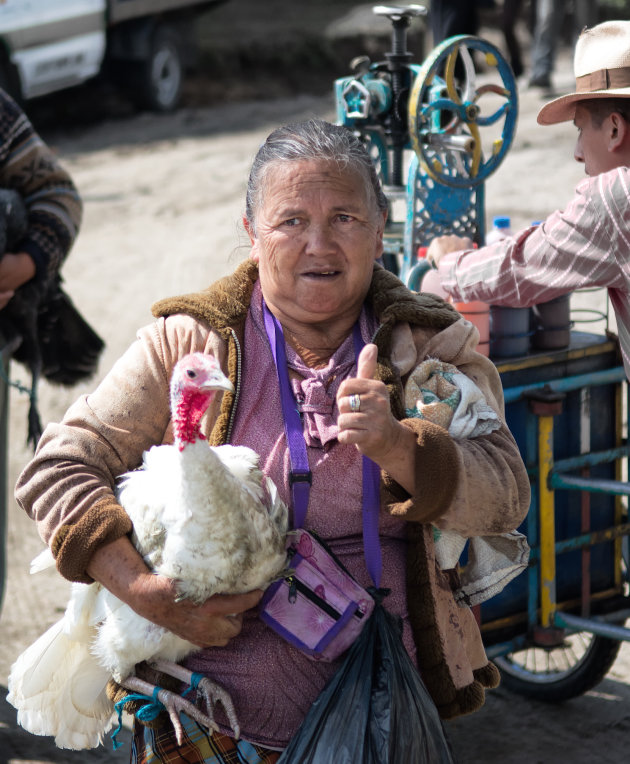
575	248
54	207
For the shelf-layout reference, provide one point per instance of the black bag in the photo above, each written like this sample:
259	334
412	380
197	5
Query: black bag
69	346
375	709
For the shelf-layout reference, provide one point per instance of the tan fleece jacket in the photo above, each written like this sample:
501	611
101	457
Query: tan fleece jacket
476	487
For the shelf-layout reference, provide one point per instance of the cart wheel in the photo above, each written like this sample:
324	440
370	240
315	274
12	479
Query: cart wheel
559	673
461	123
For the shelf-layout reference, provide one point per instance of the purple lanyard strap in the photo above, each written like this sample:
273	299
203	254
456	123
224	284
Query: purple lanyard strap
300	477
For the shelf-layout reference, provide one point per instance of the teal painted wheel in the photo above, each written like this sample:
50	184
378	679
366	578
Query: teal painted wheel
462	122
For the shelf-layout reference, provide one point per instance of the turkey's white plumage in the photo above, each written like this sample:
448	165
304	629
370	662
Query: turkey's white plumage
204	516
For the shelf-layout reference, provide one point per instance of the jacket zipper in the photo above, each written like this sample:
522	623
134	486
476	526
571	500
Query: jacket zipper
237	386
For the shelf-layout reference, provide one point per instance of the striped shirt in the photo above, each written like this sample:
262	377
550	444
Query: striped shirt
585	245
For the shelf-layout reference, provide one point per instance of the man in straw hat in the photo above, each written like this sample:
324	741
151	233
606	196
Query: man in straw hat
588	243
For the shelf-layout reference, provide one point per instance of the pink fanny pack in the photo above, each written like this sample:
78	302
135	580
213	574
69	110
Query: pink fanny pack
318	607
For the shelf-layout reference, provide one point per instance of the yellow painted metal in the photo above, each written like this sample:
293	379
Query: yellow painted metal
476	158
449	76
547	522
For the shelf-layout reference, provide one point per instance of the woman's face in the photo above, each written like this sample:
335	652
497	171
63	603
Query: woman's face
318	232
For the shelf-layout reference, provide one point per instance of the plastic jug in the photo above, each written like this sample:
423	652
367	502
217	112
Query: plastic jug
478	313
427	279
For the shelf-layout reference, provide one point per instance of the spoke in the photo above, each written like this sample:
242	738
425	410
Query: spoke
471	77
476	157
496	90
570	651
549	664
449	76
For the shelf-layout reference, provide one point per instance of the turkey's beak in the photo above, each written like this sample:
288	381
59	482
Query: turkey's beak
218	381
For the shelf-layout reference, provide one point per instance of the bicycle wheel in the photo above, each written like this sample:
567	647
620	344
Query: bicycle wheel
562	672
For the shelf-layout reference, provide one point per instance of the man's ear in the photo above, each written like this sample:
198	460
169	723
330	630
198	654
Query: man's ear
619	132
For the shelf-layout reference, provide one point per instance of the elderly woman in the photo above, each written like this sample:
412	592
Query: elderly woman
315	214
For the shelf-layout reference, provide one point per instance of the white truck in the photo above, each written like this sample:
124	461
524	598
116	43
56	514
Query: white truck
145	45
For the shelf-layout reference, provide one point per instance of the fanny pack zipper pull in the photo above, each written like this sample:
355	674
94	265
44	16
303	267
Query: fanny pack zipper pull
292	589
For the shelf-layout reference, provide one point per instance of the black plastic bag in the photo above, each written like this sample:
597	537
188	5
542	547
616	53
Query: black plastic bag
375	709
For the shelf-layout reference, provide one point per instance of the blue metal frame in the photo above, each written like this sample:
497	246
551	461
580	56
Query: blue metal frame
560	480
444	193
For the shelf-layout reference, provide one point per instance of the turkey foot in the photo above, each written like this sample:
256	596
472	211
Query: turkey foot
211	691
173	703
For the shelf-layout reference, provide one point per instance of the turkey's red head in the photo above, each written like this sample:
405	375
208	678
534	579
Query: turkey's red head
196	378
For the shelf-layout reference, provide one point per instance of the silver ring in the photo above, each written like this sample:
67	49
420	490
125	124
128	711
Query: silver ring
355	402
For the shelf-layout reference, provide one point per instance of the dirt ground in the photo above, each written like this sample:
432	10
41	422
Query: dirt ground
163	201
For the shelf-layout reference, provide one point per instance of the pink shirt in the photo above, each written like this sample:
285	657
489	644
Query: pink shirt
585	245
273	684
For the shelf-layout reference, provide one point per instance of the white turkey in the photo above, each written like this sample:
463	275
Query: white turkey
206	517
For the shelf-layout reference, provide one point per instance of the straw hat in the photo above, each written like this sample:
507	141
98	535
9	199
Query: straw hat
602	70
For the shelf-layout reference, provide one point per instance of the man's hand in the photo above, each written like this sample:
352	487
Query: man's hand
15	270
443	245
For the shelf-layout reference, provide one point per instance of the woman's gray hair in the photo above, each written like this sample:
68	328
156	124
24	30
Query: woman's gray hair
313	139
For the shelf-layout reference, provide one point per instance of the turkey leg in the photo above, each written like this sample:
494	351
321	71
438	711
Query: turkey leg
212	692
175	704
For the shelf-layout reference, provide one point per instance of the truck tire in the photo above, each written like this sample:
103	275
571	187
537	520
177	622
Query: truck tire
158	81
9	80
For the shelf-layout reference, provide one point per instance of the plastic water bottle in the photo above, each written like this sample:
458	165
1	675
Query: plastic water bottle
501	229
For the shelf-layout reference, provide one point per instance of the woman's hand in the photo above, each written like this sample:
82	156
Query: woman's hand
119	567
371	427
212	624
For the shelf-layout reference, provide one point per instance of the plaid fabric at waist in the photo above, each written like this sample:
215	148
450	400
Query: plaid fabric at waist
159	746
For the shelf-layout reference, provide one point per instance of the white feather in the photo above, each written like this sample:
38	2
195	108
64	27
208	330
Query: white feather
43	561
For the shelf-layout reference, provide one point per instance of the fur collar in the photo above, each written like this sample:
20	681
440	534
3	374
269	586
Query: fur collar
224	307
